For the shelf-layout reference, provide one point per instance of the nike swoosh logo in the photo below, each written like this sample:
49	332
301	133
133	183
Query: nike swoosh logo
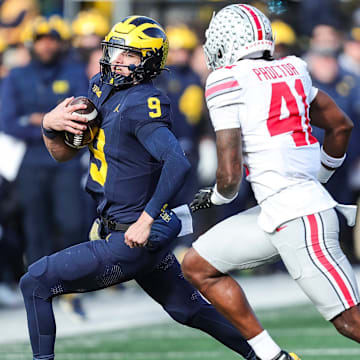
281	228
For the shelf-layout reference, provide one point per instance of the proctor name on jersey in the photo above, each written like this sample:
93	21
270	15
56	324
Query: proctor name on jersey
275	71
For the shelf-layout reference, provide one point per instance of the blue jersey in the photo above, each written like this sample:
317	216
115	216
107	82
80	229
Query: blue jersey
123	175
183	87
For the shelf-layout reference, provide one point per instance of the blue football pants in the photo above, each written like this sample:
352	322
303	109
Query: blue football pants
99	264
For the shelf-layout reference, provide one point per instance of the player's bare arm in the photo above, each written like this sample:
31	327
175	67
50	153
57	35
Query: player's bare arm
325	114
61	118
229	171
58	149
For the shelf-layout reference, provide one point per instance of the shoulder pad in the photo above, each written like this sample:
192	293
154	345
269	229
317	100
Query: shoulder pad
139	94
146	104
299	61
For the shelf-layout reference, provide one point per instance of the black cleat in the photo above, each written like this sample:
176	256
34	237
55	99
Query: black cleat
285	356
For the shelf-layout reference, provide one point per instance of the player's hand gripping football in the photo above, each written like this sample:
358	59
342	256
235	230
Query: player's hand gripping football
61	118
202	199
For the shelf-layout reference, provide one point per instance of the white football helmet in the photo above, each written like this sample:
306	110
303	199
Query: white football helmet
237	31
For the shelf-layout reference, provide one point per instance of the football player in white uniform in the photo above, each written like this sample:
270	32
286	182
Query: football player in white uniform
261	110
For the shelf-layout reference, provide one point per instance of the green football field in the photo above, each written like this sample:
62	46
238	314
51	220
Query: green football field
299	329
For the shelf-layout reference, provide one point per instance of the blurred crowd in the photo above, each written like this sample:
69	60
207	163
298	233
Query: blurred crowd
45	58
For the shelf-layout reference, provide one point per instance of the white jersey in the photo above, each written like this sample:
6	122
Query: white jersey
269	101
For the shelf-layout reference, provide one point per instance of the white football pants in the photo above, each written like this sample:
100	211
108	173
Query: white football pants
309	247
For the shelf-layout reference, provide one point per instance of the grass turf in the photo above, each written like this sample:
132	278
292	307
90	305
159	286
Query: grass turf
298	329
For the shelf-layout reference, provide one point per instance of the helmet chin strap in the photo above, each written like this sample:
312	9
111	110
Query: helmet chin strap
132	76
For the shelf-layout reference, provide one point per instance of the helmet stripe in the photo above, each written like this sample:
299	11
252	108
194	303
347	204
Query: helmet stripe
129	19
256	20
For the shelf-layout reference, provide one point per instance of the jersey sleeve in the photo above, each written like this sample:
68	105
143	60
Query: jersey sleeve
312	90
223	97
226	117
222	89
313	93
147	107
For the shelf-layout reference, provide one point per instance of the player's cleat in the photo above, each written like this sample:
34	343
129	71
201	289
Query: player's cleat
294	356
285	356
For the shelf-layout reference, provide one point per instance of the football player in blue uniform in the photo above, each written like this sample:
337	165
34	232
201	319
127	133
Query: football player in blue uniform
136	167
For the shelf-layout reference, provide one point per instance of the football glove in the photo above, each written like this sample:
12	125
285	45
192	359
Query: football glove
95	230
202	199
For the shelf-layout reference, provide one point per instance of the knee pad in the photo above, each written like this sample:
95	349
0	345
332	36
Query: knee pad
53	272
31	286
75	262
36	278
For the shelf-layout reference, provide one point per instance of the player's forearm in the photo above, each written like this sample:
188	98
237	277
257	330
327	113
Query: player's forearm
228	181
55	122
337	140
327	115
229	171
58	149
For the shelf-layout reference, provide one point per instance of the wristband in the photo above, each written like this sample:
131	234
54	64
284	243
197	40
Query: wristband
49	133
218	199
330	161
324	174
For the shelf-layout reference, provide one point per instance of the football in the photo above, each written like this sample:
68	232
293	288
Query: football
93	123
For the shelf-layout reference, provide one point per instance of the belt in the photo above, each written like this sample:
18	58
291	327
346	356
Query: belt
113	225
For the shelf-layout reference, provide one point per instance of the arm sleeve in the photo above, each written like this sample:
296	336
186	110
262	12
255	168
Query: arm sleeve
12	122
160	142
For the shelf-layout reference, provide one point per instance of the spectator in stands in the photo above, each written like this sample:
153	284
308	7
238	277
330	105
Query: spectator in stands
11	244
349	59
49	192
311	13
285	39
326	38
89	28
